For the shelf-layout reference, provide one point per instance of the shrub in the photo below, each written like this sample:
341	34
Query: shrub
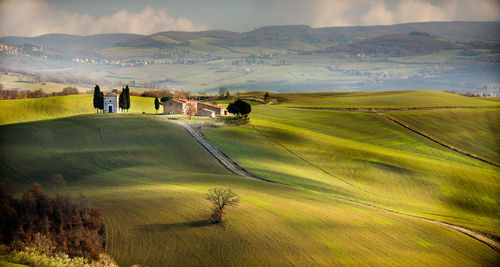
36	258
70	91
57	225
238	120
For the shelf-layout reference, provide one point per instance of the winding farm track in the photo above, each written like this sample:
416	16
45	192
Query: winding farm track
231	165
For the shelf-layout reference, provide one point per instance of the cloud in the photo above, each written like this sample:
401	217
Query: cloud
327	13
419	11
37	17
407	11
378	15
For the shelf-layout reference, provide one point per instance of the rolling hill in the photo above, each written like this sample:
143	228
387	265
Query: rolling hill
298	37
385	99
22	110
293	37
367	157
150	179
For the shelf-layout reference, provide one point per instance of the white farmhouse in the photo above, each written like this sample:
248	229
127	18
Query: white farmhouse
111	103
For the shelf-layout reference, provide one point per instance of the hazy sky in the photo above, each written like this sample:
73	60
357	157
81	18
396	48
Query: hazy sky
36	17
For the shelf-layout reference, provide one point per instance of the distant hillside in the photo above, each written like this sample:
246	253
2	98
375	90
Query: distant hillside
394	45
175	37
455	30
68	44
293	37
298	37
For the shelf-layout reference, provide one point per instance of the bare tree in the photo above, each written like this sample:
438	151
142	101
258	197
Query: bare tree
221	199
222	92
191	109
58	181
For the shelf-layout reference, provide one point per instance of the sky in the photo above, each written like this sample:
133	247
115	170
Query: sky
86	17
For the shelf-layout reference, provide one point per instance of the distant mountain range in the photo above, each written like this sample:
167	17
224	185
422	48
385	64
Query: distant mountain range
292	37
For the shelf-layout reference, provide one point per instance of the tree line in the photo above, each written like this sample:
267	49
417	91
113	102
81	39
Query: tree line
39	93
395	45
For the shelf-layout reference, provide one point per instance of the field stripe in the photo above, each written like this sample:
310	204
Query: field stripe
375	109
488	239
436	141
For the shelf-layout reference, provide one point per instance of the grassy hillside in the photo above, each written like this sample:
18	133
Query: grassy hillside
365	157
21	110
472	131
26	83
150	178
387	99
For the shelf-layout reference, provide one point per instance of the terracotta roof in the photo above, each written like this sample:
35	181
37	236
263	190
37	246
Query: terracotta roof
178	100
203	103
183	100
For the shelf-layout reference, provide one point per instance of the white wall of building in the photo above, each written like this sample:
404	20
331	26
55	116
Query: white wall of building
111	103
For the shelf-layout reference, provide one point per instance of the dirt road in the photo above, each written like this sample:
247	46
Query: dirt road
231	165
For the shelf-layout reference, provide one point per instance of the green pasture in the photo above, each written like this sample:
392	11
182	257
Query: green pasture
385	99
21	110
368	158
473	131
150	179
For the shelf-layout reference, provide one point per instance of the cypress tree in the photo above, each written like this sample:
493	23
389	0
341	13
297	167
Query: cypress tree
97	90
157	104
121	100
267	97
100	101
127	97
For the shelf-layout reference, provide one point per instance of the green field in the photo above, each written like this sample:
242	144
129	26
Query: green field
473	131
21	110
365	157
386	99
150	177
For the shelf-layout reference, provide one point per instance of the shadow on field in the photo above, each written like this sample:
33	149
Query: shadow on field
172	226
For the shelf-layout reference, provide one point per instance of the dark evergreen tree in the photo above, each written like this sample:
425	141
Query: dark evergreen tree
157	104
267	97
127	97
239	108
121	100
97	90
231	108
100	101
243	107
